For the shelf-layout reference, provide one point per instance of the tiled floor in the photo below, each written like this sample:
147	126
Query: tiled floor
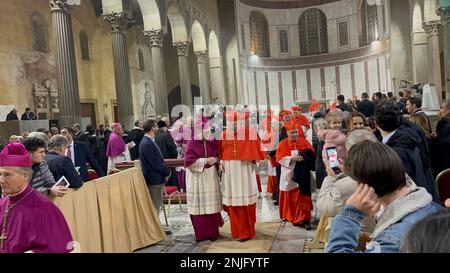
289	239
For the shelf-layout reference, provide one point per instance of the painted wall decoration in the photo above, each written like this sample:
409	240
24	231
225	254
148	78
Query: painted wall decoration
147	90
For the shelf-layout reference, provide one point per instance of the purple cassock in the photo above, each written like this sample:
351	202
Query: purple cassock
116	145
34	224
206	226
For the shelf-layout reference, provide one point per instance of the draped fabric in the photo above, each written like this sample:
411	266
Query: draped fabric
113	214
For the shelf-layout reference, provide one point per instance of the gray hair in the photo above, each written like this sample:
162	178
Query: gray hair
357	136
58	141
41	136
320	123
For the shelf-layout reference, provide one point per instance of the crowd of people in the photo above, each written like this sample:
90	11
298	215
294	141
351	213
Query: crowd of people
374	169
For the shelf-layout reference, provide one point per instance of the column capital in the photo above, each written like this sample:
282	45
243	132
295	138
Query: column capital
432	27
155	37
202	56
182	48
444	13
117	21
59	5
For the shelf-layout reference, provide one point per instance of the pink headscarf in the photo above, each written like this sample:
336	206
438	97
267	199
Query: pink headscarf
15	155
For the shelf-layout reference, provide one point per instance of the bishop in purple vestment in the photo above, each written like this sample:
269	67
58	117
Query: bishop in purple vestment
29	221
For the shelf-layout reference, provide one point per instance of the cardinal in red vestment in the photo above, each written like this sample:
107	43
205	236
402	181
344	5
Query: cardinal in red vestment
239	149
296	157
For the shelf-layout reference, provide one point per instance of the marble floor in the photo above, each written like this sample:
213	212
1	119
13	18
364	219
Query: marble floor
289	239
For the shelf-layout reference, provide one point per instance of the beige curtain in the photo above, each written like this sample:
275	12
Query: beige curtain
113	214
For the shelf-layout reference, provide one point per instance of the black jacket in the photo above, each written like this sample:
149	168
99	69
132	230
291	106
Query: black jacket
366	107
62	166
152	163
440	147
407	142
136	136
345	107
166	144
11	116
30	116
84	156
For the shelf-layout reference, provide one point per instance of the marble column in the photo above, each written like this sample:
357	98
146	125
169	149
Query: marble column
434	58
185	75
202	58
155	40
66	66
444	12
118	23
217	81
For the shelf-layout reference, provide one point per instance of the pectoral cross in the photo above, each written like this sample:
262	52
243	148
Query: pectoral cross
2	238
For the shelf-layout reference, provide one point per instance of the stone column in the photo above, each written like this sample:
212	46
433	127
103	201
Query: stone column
185	75
66	66
444	12
118	24
155	40
217	82
434	63
202	58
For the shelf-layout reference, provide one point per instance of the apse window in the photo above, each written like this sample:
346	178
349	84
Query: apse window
284	41
259	32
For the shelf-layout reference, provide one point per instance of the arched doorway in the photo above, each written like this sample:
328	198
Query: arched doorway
175	96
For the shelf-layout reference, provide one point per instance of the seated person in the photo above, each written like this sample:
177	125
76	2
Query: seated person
381	179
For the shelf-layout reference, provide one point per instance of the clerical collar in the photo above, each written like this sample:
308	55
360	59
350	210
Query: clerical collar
20	195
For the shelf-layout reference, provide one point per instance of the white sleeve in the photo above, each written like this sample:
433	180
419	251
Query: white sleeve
198	166
287	162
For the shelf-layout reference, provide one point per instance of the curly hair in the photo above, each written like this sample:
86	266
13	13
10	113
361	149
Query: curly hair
388	115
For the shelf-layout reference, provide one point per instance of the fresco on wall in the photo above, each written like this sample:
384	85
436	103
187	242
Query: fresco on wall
147	102
34	67
36	72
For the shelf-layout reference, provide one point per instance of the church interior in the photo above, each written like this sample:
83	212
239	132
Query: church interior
99	62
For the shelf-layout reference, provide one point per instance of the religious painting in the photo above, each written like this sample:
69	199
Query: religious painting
36	72
147	90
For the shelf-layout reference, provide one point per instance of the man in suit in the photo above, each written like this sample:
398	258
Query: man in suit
366	106
80	155
342	105
136	136
77	131
12	115
154	168
28	115
59	164
168	148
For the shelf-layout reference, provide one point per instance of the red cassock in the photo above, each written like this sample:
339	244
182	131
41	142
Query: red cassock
243	145
294	206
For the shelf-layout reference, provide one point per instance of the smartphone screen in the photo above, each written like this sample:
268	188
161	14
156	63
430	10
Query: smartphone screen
332	158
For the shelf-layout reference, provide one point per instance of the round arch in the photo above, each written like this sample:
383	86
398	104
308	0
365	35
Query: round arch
214	48
149	9
178	24
150	14
198	37
417	17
